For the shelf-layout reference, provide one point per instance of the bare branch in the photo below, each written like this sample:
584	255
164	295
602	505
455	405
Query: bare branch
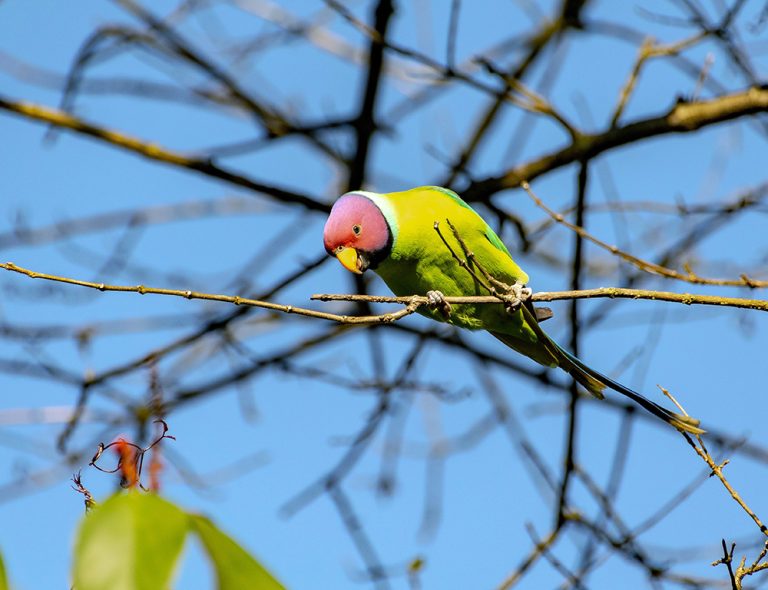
153	151
682	118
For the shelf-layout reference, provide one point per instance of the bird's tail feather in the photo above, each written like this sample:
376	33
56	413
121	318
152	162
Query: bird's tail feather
595	382
590	379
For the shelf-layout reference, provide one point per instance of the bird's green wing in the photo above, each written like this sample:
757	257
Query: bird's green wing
495	240
487	231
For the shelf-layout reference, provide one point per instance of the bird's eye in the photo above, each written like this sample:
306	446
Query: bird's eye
357	229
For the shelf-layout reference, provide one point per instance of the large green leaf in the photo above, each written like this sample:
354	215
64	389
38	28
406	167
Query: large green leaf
235	568
3	578
130	542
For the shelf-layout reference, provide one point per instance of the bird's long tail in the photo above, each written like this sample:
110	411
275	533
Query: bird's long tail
595	382
590	379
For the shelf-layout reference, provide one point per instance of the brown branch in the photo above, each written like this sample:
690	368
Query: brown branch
360	442
737	577
462	262
155	152
577	265
412	303
234	299
727	561
366	122
717	470
683	117
601	292
530	101
649	50
272	121
538	550
274	358
548	31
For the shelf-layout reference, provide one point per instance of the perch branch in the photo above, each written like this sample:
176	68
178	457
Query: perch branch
412	302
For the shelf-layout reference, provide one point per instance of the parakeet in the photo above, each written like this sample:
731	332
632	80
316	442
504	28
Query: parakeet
394	235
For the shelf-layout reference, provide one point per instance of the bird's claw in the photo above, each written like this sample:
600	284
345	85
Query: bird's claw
437	301
516	296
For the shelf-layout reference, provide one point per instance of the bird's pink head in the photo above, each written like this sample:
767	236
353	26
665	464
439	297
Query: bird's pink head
357	233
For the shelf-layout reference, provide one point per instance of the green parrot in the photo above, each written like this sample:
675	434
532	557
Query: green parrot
395	235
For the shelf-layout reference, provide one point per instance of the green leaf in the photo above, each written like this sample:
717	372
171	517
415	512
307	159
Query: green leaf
3	579
235	568
130	542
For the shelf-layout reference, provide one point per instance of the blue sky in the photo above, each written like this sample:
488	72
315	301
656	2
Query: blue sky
289	431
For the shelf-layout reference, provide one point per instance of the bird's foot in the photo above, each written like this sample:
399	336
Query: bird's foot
516	296
437	301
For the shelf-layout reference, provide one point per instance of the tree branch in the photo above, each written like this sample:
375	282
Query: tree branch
683	117
153	151
412	302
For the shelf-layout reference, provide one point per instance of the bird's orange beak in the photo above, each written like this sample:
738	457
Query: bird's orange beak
348	259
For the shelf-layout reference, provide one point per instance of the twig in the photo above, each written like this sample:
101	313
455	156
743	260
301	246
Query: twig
360	442
130	457
649	50
538	550
463	262
742	570
727	560
577	264
717	469
644	265
553	561
365	548
366	124
77	485
529	100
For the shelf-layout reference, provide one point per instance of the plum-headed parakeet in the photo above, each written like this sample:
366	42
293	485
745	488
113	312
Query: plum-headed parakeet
394	235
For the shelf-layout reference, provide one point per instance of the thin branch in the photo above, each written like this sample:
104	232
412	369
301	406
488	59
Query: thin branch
644	265
271	120
234	299
600	292
727	560
571	440
717	470
361	441
365	548
536	552
649	50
